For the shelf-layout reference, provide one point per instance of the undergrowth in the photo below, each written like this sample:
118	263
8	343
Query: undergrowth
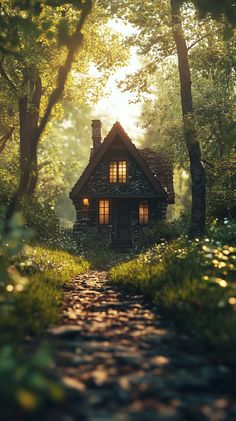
193	282
32	279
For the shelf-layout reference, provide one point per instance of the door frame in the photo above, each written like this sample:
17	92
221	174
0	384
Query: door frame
118	204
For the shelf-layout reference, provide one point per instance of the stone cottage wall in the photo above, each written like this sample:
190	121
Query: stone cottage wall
137	182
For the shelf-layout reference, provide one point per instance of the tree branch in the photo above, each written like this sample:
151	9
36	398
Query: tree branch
5	138
76	41
43	164
198	40
6	77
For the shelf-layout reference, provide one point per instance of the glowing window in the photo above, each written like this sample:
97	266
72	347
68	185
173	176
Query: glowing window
104	212
118	172
113	172
85	202
122	171
143	212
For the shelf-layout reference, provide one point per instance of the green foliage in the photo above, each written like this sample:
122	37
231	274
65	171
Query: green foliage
32	293
94	246
42	219
158	232
48	262
16	18
221	184
32	281
68	146
217	8
29	387
195	284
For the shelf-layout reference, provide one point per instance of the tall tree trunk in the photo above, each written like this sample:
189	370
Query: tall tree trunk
34	123
28	120
197	225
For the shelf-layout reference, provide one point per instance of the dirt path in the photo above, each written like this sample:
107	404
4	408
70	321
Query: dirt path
123	362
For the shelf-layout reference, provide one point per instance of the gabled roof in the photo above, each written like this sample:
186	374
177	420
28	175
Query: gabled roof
162	169
117	130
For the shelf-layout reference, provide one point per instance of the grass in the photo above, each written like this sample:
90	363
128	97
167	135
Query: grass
194	283
33	297
32	282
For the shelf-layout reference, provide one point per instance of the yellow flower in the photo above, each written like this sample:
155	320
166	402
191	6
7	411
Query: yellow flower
27	399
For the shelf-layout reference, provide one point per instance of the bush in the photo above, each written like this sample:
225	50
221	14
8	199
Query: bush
158	232
221	179
95	247
42	219
29	388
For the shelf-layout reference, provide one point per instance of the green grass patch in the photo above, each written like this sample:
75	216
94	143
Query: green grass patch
195	284
32	282
33	294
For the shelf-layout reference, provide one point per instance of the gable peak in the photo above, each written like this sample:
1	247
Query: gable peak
117	129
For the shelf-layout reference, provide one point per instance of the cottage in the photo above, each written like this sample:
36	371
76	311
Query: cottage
122	189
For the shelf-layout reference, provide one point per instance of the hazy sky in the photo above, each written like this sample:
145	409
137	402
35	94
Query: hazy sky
117	104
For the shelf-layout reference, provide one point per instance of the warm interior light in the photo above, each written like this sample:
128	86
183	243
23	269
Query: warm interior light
143	212
104	212
118	172
85	202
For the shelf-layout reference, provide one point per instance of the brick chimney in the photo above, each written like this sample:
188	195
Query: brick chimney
96	134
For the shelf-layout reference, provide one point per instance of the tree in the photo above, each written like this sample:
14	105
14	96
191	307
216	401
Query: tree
197	171
160	34
217	8
31	90
34	89
212	62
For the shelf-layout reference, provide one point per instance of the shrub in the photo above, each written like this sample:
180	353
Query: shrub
29	388
158	232
95	247
42	219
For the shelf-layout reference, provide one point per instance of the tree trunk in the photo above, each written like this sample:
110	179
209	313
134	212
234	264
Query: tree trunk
28	119
197	225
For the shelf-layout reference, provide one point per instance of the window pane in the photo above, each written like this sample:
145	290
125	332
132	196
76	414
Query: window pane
113	172
118	172
143	212
104	212
122	171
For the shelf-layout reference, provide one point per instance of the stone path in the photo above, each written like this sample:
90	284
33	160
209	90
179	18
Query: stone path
121	361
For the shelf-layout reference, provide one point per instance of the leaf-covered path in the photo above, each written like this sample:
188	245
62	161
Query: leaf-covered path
124	362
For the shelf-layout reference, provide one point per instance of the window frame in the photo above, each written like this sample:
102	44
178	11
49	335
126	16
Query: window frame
117	162
103	221
143	218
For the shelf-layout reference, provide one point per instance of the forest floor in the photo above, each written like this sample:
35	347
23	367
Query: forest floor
122	361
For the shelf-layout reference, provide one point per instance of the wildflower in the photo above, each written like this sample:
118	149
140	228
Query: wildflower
232	300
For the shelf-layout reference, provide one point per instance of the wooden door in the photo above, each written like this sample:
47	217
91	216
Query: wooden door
123	221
